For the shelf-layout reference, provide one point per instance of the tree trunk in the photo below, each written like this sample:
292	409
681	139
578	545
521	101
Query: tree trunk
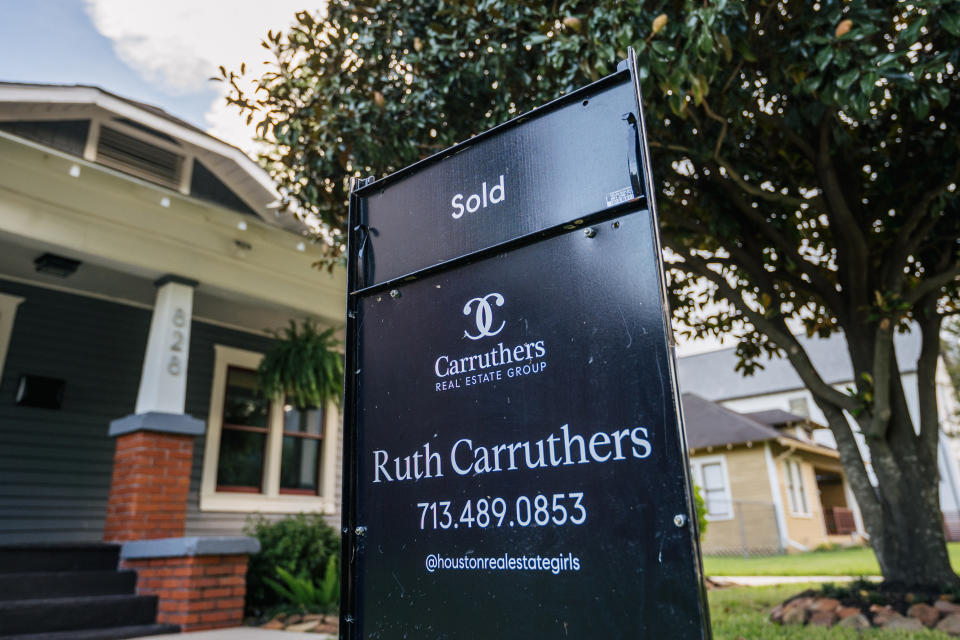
902	513
908	536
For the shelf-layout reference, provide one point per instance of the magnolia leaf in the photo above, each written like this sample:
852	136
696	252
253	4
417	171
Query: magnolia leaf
658	23
843	28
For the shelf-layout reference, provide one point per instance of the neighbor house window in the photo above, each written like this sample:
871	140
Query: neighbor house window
710	474
264	454
800	407
796	490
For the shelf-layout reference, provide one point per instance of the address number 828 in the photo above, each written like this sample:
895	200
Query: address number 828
525	511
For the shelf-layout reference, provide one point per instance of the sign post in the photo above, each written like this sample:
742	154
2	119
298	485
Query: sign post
514	460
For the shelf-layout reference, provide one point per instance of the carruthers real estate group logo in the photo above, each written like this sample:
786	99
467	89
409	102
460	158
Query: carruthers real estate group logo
495	364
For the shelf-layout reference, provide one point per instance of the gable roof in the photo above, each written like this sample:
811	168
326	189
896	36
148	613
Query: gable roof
775	417
709	424
713	375
231	166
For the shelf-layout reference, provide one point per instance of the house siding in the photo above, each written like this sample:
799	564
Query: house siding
752	507
56	465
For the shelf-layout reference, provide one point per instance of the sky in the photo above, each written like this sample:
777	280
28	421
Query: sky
162	52
159	52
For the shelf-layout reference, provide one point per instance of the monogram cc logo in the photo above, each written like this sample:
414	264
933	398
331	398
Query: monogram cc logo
483	315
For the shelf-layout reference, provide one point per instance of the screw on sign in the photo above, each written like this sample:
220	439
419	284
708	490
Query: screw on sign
512	447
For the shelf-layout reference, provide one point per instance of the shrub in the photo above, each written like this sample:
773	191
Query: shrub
701	507
305	594
302	545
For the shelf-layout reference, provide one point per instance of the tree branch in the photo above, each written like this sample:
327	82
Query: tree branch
933	284
779	333
843	221
883	362
930	324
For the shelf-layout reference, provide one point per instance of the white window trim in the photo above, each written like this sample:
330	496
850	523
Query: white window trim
697	464
791	501
271	500
8	312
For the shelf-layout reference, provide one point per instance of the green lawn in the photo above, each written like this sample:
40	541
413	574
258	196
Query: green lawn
742	613
841	562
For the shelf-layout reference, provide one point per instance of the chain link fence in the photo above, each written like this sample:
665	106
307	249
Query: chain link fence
748	529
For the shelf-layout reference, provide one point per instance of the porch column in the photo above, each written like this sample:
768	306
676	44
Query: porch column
151	467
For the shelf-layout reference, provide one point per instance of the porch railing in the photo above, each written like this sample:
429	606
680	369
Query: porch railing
839	521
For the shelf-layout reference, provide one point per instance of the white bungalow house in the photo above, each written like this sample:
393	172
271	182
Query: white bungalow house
777	386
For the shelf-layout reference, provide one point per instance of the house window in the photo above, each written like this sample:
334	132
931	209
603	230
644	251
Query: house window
243	436
796	490
300	459
710	474
800	407
264	455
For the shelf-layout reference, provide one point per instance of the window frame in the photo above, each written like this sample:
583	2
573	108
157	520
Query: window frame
697	465
793	483
270	499
8	314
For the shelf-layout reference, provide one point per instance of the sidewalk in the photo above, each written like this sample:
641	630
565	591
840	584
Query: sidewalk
241	633
765	581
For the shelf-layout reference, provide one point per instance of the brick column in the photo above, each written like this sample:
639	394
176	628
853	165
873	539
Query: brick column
148	491
200	583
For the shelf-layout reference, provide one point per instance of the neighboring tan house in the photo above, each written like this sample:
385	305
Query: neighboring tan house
112	214
768	487
777	386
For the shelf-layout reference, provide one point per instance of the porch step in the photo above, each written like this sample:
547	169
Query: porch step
61	584
48	558
76	613
111	633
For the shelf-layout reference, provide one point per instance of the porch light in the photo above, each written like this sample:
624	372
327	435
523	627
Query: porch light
74	171
55	265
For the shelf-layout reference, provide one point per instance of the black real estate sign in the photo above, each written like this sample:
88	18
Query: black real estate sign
514	460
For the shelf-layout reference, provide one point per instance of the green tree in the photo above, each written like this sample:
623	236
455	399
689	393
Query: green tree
806	154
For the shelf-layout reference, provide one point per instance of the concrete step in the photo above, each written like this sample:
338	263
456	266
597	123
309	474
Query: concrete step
35	585
46	558
111	633
76	613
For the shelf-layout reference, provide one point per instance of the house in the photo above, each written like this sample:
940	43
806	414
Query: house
142	263
767	485
777	386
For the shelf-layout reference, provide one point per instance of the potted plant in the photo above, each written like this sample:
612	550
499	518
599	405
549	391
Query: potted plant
304	365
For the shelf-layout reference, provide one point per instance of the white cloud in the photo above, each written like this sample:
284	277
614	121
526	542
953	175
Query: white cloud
179	44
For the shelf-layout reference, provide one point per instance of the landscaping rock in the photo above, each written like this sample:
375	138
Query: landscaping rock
794	615
825	604
303	627
924	613
777	614
900	623
856	621
881	615
845	612
273	624
950	625
822	618
945	607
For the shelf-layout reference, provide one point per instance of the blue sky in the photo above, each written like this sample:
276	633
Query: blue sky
161	52
55	41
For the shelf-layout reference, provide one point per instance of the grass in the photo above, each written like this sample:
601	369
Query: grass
858	561
742	613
